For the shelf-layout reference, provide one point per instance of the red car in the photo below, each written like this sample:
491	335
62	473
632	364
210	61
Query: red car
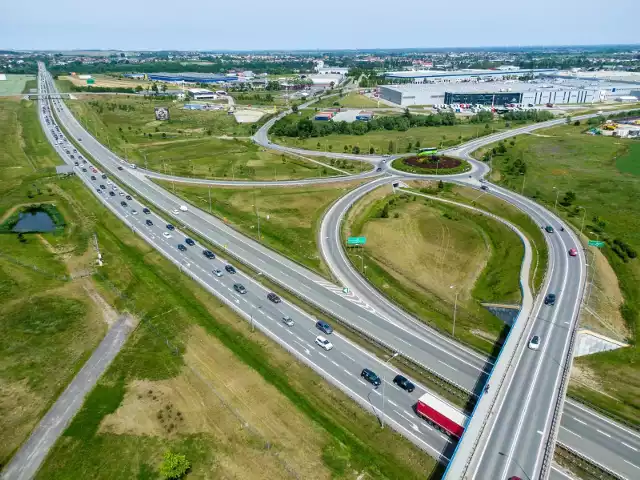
573	252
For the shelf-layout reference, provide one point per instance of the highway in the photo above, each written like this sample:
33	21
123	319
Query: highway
368	311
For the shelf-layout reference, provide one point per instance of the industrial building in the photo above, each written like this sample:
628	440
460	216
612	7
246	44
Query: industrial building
536	92
202	94
427	76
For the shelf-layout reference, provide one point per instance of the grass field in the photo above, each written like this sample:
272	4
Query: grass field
392	141
189	143
289	216
49	324
201	402
350	100
15	84
600	171
107	81
425	253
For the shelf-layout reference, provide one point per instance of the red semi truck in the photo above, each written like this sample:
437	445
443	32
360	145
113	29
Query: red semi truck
441	414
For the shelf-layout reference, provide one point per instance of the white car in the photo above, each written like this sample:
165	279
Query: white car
217	272
534	343
122	194
166	234
183	208
324	343
175	211
288	321
134	212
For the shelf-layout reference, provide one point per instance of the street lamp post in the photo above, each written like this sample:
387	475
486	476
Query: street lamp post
584	215
524	177
383	382
555	207
455	311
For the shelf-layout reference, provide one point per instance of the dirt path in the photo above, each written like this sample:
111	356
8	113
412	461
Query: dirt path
26	462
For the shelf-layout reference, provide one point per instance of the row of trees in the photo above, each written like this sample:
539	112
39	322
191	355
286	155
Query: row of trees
304	128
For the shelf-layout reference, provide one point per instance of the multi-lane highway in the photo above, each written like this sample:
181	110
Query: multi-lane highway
537	377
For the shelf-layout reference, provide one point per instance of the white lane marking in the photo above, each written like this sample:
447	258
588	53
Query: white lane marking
540	432
447	365
347	371
629	446
377	392
350	358
605	434
362	382
574	433
393	403
600	417
322	354
335	363
579	421
633	465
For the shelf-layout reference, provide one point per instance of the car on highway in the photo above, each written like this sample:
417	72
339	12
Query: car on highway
146	210
128	197
170	227
549	229
112	194
84	169
534	343
175	211
123	203
288	321
230	269
183	208
404	383
102	187
122	194
573	252
324	327
217	272
323	343
238	287
166	234
209	254
182	248
273	297
189	242
378	169
550	299
371	377
149	222
134	212
104	176
120	168
93	177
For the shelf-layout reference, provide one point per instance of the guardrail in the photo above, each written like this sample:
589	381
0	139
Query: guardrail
598	471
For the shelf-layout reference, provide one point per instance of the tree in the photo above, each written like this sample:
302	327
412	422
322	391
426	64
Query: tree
385	211
174	466
568	199
164	87
294	108
390	148
502	148
372	150
355	150
139	88
409	147
440	185
154	88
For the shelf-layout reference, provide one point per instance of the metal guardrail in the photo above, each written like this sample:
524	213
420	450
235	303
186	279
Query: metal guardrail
598	471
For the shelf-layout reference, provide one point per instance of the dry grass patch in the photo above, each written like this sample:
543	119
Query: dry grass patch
199	401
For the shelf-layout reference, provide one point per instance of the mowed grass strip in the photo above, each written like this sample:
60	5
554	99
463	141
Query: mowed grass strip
316	429
289	216
601	172
425	253
350	100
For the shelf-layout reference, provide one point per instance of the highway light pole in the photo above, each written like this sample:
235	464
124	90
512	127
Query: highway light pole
584	214
383	382
209	198
455	310
555	207
524	177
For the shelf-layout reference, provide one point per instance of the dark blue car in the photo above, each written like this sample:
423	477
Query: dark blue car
324	327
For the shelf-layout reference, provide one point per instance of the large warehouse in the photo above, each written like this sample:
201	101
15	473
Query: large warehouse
500	92
426	76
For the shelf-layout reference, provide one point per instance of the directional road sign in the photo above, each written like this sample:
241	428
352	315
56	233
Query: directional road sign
356	240
596	243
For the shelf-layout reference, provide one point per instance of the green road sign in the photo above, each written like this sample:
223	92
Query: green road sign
345	290
596	243
356	240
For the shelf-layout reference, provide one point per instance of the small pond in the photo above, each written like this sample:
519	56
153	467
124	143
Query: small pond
34	221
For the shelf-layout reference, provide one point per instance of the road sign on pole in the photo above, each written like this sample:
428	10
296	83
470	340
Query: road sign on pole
345	290
596	243
356	240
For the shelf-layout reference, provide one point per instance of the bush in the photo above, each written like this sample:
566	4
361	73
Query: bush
174	466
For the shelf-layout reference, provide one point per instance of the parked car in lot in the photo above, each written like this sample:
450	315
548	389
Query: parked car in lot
182	248
534	343
323	343
404	383
230	269
273	297
189	242
209	254
238	287
324	327
288	321
550	299
371	377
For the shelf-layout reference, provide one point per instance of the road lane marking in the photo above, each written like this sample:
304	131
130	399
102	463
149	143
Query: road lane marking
335	363
629	446
362	382
605	434
540	432
393	403
447	365
347	371
633	465
348	356
570	431
579	421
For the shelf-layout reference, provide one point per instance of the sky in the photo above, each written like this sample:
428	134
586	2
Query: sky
300	25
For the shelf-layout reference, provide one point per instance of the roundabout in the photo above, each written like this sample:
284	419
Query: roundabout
431	165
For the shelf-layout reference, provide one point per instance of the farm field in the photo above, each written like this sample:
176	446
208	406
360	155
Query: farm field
421	253
15	84
602	175
108	81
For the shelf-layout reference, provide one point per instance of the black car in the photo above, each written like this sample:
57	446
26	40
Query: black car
112	193
238	287
128	197
103	187
379	169
182	248
324	327
189	242
120	168
371	377
93	177
274	298
146	210
550	299
404	384
230	269
124	204
208	254
84	169
149	222
170	227
104	176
